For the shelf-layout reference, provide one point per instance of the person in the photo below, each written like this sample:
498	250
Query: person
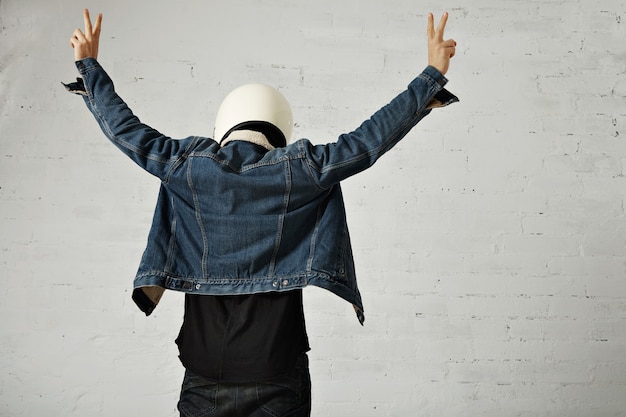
244	221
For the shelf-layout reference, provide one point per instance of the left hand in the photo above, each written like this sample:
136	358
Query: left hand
86	44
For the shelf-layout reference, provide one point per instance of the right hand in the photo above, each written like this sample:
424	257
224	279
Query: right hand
439	50
86	44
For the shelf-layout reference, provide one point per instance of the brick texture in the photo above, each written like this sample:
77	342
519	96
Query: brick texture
490	244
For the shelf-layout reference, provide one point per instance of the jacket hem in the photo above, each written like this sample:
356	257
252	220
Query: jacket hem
241	286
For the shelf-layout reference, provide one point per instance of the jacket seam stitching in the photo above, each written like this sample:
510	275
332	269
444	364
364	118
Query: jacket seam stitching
196	203
110	133
378	150
281	219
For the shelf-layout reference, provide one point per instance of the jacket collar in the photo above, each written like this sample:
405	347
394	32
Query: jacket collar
251	136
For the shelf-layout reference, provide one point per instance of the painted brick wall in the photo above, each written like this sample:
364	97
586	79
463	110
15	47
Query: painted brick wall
490	244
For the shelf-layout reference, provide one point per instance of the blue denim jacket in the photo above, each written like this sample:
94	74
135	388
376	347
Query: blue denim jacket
240	219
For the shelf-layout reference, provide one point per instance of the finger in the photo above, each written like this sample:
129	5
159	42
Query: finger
449	47
430	27
442	25
88	29
98	25
79	35
77	38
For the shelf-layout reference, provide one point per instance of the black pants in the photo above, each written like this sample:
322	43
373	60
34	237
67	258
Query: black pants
287	395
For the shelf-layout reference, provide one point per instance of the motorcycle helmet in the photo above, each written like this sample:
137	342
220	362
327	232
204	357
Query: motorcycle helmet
257	107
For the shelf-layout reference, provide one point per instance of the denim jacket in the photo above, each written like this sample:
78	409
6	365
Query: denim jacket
239	219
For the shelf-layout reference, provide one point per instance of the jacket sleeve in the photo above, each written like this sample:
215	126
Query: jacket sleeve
150	149
356	151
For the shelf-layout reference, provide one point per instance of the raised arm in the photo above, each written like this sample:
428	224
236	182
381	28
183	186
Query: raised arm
150	149
358	150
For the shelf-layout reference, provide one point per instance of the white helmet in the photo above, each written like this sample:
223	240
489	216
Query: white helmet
255	107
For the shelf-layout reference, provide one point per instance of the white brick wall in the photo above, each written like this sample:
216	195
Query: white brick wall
490	244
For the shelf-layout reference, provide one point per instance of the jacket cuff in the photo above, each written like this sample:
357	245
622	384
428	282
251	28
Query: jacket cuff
86	65
443	97
77	87
435	75
83	66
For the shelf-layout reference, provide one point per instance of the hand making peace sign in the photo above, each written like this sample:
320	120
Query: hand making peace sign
439	50
86	44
